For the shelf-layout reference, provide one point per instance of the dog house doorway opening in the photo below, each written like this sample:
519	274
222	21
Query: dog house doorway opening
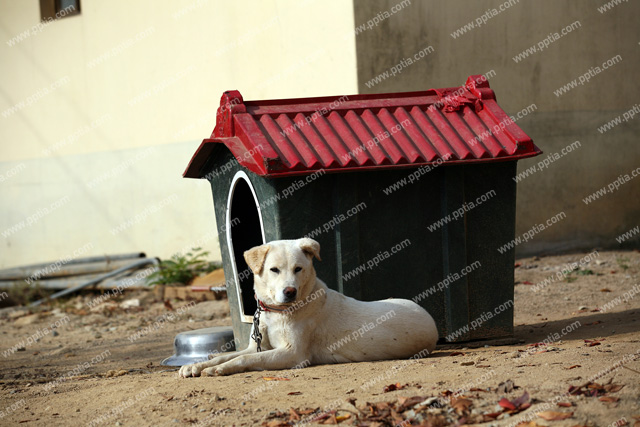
244	231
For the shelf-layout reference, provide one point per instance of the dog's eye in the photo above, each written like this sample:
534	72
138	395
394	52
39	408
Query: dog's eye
275	270
297	269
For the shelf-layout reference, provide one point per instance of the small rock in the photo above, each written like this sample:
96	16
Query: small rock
17	313
583	307
97	335
350	391
469	363
27	320
130	303
55	333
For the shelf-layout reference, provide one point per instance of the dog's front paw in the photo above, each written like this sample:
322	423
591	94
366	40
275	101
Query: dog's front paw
212	372
190	370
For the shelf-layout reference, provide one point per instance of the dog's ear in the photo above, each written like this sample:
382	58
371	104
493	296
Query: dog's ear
310	247
255	258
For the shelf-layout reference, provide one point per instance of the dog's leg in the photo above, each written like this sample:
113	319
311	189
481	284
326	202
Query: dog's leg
281	358
195	369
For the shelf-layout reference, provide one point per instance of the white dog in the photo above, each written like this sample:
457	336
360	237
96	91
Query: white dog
303	322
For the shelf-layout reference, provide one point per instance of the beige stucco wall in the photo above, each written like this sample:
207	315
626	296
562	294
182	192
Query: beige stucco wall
100	113
557	121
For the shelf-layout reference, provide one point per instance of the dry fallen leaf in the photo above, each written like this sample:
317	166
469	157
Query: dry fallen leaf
275	379
612	388
605	290
343	417
294	393
574	366
565	404
461	405
393	387
408	402
506	403
554	416
521	401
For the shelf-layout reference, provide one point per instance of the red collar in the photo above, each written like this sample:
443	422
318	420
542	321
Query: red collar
275	308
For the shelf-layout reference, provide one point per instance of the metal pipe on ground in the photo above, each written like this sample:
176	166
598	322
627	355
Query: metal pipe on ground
21	273
75	270
98	279
70	282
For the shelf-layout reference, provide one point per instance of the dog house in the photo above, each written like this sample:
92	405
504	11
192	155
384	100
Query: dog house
409	194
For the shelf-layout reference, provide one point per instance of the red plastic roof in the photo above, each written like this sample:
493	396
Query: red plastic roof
361	132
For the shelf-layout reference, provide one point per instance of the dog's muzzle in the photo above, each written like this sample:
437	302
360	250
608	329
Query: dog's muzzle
289	294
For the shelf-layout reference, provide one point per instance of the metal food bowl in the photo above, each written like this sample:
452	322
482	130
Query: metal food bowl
196	346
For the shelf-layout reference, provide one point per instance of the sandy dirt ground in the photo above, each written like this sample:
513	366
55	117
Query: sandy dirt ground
69	364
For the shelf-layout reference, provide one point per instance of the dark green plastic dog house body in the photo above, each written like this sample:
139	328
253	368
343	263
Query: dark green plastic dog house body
410	195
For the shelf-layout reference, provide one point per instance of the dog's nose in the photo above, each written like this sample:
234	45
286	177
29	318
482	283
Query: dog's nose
290	293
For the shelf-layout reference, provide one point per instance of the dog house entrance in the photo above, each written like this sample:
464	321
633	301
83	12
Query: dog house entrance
244	231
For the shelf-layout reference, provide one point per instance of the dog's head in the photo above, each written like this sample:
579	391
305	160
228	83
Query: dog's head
283	269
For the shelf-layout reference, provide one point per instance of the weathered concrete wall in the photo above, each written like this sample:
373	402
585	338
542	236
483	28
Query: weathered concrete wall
496	33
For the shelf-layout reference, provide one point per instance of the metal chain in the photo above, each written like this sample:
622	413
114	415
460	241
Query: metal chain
256	335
